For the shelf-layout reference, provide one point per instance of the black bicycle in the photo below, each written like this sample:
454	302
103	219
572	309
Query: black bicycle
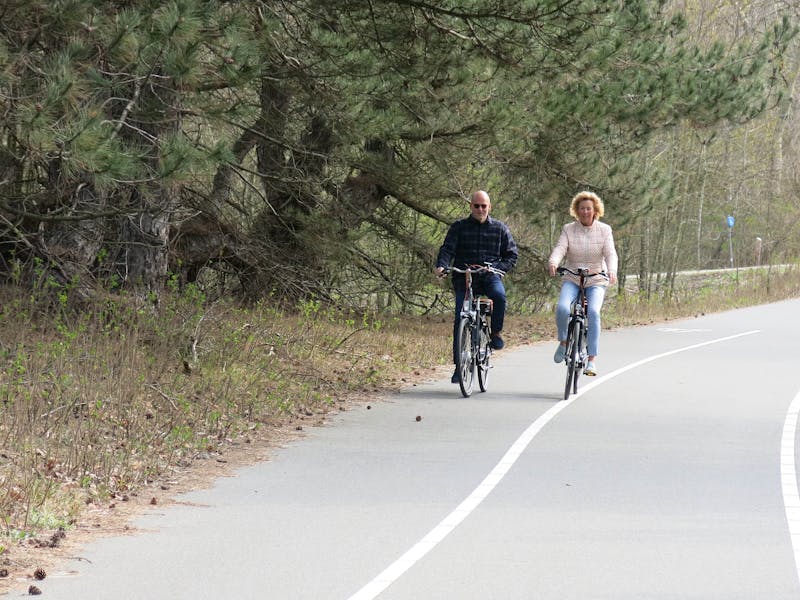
577	352
474	333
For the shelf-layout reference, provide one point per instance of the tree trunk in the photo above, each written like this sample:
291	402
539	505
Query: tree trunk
145	237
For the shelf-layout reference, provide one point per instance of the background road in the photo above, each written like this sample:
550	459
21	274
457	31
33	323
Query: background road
662	479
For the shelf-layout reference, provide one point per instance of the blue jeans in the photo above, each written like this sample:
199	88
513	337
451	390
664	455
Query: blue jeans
491	286
594	297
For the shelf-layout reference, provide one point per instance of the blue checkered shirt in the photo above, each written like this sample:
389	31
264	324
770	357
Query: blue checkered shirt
469	242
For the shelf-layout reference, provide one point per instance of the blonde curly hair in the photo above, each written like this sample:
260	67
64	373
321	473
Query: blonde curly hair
599	208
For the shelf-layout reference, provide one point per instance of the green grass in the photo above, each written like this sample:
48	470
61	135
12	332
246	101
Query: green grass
100	403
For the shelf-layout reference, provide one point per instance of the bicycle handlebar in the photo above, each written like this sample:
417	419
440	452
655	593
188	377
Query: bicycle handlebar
474	269
579	272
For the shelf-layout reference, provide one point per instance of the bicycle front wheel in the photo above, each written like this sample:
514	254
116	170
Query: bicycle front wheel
466	362
571	358
580	343
484	357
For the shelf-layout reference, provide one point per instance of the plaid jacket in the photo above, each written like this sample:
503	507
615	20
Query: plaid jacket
469	242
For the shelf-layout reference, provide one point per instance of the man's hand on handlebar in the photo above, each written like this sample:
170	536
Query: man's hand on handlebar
442	271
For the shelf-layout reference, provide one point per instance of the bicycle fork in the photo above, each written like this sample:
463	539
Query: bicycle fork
581	334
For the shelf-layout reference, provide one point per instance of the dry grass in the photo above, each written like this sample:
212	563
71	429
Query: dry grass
103	405
703	292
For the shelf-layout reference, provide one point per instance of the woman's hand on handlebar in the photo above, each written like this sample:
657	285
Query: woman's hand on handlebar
582	272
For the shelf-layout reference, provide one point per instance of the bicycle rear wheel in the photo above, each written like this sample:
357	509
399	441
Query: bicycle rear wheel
571	358
466	362
484	356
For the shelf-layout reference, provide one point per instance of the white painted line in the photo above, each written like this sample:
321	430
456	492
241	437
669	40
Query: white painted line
393	572
791	498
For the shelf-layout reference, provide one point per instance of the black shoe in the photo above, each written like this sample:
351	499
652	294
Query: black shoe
456	378
496	342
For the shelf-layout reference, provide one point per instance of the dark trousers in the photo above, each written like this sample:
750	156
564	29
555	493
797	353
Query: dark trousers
489	285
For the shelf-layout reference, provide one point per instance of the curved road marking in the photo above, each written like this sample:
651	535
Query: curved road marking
393	572
791	498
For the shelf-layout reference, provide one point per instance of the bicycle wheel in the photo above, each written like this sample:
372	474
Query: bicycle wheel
571	358
580	343
466	363
484	356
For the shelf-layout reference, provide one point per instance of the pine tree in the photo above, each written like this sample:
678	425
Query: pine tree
318	147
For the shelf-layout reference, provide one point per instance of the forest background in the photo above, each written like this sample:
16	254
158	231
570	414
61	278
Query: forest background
206	206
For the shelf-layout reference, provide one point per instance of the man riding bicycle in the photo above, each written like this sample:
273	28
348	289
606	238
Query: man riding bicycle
477	240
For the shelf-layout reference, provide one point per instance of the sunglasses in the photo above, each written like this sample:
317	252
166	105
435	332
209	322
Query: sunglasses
480	205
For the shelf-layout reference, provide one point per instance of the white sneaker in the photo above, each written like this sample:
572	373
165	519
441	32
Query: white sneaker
590	370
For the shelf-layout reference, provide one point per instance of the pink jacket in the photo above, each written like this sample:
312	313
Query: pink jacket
586	247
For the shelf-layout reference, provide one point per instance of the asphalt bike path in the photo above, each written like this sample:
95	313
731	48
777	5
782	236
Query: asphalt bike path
671	475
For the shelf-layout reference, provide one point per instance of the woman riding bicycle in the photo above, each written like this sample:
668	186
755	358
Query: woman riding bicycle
586	243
